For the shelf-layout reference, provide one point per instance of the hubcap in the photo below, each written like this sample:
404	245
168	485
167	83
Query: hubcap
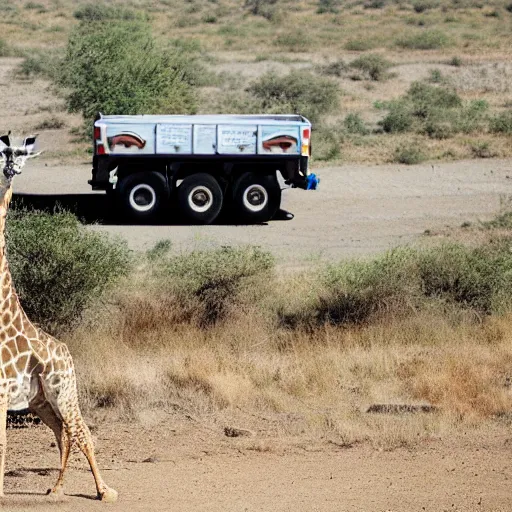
255	198
200	199
142	197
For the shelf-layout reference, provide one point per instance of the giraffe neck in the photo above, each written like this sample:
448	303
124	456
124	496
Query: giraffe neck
5	199
8	297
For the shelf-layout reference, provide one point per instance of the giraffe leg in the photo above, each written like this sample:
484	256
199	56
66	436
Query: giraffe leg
3	434
84	439
65	404
47	414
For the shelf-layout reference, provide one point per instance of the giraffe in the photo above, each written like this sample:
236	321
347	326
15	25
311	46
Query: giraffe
36	370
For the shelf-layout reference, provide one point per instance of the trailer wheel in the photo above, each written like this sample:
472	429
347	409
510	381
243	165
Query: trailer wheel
200	198
256	198
142	195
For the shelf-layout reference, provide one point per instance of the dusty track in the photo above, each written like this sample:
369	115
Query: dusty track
190	469
357	210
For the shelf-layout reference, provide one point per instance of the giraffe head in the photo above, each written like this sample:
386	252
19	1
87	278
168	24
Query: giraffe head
14	157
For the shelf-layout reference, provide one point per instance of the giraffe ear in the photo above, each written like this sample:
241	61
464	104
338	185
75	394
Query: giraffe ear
28	143
5	139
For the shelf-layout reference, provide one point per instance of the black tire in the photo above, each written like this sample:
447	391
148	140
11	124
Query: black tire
200	198
256	198
142	195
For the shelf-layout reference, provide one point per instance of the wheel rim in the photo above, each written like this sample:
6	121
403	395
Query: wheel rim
142	198
200	199
255	198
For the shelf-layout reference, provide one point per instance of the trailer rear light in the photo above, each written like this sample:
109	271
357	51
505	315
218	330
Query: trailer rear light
305	148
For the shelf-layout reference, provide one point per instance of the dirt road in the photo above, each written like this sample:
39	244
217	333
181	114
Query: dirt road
192	469
357	210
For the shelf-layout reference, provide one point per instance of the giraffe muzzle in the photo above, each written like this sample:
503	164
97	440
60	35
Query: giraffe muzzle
10	171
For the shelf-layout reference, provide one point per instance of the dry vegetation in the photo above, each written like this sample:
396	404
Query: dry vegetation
269	357
371	51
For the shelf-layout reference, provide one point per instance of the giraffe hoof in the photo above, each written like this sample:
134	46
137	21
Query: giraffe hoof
108	495
56	493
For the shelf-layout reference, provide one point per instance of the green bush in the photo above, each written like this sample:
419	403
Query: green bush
60	267
436	111
298	92
502	123
404	280
425	40
475	278
399	119
338	68
331	6
355	291
360	45
266	8
5	51
436	77
117	68
355	125
409	154
208	283
373	66
103	12
375	4
423	5
326	142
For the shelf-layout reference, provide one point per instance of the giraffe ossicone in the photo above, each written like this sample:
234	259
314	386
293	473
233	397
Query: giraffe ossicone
36	370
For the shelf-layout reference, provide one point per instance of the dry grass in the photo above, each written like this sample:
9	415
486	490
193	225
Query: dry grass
287	382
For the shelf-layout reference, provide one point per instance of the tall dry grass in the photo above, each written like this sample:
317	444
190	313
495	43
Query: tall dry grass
143	355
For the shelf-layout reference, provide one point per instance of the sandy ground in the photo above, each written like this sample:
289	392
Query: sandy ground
357	210
178	466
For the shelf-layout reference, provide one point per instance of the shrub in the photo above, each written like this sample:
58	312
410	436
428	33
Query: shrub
425	40
259	7
298	92
375	4
52	123
436	77
356	291
502	123
409	154
436	111
208	283
355	125
103	12
449	276
509	7
34	5
331	6
337	68
326	142
294	41
59	267
373	66
360	45
399	119
455	61
423	5
476	278
482	149
5	51
117	68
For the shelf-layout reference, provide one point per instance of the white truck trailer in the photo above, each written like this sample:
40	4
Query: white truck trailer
201	164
